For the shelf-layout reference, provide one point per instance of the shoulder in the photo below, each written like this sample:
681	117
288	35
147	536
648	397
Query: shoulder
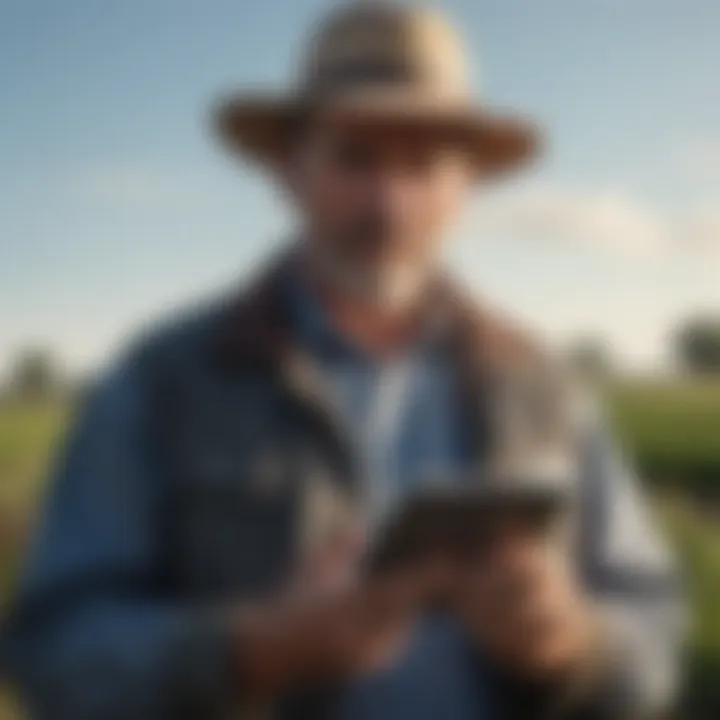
236	328
487	336
170	348
527	382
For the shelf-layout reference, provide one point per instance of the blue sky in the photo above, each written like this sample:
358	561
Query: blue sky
116	205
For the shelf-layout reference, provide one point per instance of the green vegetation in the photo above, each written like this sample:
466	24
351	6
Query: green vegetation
695	534
672	431
28	432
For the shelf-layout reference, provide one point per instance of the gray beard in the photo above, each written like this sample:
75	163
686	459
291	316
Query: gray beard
391	291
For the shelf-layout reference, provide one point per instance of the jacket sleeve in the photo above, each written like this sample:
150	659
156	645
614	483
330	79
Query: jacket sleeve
632	577
93	635
629	576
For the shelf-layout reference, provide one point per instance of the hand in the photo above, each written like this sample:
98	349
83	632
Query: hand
327	624
521	601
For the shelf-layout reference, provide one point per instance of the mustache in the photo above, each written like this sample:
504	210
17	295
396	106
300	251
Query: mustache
375	229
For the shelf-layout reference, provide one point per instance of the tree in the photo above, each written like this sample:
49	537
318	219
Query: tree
35	374
697	344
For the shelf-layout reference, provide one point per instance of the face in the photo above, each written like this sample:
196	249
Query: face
376	202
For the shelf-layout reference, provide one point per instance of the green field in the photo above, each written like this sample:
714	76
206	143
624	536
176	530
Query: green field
28	434
672	430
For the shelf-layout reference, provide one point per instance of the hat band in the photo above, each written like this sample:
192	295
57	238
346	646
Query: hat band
367	73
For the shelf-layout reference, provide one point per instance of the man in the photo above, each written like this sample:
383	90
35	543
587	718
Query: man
201	553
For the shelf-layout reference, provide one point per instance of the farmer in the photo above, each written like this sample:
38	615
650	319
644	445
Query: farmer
200	552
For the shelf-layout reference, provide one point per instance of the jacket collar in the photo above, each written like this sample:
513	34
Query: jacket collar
258	327
481	345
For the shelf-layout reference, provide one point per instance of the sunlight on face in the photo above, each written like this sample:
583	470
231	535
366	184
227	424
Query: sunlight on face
376	201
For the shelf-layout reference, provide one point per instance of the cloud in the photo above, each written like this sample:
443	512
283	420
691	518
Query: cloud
700	157
703	228
614	222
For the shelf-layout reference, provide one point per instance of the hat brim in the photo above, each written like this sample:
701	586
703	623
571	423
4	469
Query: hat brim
261	127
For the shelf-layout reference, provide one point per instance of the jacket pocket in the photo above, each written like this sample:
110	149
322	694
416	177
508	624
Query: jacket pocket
236	518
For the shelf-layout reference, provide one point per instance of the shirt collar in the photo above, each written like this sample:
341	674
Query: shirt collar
315	329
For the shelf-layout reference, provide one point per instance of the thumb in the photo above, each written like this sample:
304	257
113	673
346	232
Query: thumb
336	560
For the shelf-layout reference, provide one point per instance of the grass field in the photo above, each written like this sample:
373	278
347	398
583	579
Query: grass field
672	431
28	434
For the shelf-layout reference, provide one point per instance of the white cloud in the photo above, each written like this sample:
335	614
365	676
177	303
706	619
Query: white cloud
612	221
703	230
700	156
659	265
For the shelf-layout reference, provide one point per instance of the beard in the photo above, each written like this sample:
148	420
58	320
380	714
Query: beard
375	264
390	287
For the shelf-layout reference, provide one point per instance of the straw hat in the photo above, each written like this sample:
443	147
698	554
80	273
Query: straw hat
382	64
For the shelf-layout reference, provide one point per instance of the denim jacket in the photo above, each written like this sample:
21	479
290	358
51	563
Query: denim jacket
194	475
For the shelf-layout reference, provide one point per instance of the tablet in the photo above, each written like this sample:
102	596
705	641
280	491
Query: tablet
459	520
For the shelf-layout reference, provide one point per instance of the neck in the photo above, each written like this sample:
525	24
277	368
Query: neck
378	327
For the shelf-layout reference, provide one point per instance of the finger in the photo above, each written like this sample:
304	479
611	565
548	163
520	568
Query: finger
343	553
341	548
